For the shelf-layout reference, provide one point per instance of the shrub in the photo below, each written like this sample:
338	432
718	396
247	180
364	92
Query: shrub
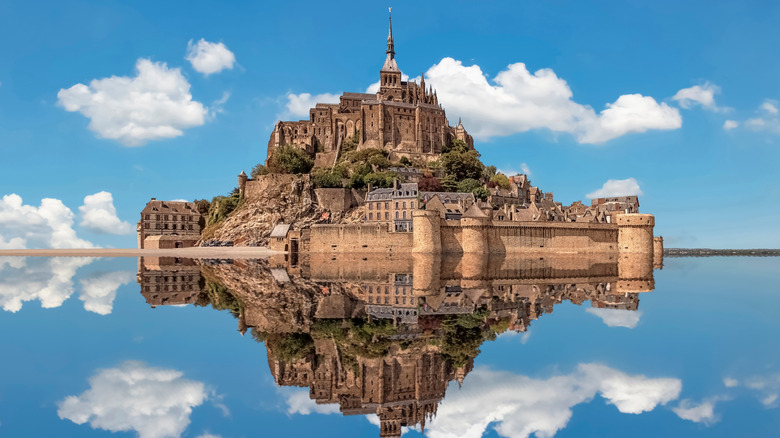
380	179
481	193
258	170
462	165
429	183
289	159
326	178
500	180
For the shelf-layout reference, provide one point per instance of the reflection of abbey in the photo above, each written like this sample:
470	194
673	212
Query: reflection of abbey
403	118
386	337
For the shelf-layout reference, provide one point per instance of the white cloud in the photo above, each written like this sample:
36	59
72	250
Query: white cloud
374	419
218	106
154	402
208	435
728	382
769	107
298	402
617	317
98	290
518	406
153	105
520	101
768	120
48	226
208	58
703	95
617	187
730	124
703	412
525	169
46	279
768	387
298	105
98	214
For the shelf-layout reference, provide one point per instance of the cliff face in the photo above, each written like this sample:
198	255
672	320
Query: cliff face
275	199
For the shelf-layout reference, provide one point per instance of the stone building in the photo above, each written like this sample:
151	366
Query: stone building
395	205
403	118
169	224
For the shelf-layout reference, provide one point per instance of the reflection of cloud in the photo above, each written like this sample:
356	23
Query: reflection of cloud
298	402
519	406
155	402
374	419
98	290
617	317
47	279
703	412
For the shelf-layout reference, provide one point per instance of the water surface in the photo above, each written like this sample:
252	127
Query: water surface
509	348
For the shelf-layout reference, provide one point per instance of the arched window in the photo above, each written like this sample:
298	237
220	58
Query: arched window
396	216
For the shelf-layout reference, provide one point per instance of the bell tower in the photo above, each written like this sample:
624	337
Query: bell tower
390	75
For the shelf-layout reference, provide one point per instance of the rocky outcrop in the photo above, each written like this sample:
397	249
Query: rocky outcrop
275	199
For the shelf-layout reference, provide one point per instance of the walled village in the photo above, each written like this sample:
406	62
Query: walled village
386	173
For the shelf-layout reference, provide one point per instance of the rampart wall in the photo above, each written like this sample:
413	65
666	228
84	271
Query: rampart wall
357	238
337	199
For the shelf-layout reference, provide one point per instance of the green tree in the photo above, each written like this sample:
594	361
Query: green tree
350	143
404	161
289	159
481	193
449	183
203	206
326	178
462	165
500	180
490	172
380	179
468	185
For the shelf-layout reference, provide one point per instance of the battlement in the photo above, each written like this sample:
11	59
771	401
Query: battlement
635	220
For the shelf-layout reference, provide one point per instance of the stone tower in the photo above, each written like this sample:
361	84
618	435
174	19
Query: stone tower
390	75
635	252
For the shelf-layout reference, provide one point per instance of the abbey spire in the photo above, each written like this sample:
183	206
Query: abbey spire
390	64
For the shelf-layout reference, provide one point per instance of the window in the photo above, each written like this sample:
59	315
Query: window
396	204
396	216
370	206
387	216
371	216
404	214
404	204
147	217
412	204
387	205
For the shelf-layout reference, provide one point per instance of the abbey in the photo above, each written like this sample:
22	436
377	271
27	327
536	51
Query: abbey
403	117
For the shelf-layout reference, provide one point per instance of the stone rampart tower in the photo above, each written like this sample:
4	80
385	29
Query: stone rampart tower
635	249
473	224
427	232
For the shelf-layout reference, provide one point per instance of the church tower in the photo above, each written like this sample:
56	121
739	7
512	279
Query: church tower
390	75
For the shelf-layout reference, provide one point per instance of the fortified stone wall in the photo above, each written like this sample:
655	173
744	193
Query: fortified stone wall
357	238
337	199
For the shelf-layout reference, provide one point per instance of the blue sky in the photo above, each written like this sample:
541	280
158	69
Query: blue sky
708	186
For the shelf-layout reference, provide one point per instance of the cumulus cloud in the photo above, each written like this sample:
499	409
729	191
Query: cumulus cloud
45	279
98	290
617	187
49	225
98	214
730	124
769	107
703	95
703	412
617	317
208	58
519	406
153	105
298	402
518	101
298	105
728	382
525	169
154	402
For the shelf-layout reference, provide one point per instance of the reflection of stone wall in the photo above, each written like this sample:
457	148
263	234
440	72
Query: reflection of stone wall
169	280
357	238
